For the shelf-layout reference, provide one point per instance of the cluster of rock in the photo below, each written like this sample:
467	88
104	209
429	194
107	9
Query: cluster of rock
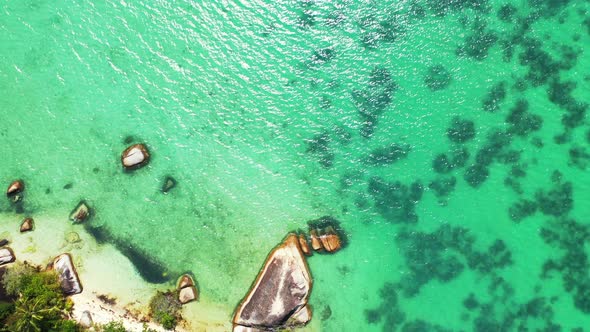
278	297
325	239
187	292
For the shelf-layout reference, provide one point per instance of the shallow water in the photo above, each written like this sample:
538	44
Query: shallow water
269	114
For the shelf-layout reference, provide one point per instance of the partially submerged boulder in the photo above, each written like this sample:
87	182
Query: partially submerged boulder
304	245
135	156
330	240
80	213
187	294
169	183
15	189
279	295
68	278
27	225
3	242
185	281
316	244
6	256
327	235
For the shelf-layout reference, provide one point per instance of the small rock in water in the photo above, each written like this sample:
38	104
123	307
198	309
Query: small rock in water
86	319
27	225
6	256
14	190
187	294
304	245
80	213
169	183
278	298
135	156
185	281
3	242
68	278
330	240
316	244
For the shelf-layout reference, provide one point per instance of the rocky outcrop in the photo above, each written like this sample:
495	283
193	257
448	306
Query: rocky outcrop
279	295
326	234
80	213
6	256
15	189
187	292
27	225
68	278
135	156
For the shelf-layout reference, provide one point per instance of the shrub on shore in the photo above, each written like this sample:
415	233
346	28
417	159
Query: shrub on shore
39	302
164	308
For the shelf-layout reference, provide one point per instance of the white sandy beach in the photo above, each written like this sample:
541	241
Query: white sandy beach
103	271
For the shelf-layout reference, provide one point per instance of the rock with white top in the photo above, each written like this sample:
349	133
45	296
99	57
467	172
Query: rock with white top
15	189
80	213
6	256
278	298
185	281
27	225
68	278
187	294
135	156
86	319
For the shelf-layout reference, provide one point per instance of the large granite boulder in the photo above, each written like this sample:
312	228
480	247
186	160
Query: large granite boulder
135	156
68	278
14	190
6	256
279	295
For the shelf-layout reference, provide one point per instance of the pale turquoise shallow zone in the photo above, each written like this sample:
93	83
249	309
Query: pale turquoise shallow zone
262	111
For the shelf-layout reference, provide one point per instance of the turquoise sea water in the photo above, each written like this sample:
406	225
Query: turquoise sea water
448	137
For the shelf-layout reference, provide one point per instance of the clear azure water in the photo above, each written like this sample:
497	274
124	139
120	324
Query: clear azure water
272	113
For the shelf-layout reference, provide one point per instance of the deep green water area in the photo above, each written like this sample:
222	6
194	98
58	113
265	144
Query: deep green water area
449	138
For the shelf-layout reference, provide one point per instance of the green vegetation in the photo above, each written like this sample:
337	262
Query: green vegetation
39	302
165	309
113	327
